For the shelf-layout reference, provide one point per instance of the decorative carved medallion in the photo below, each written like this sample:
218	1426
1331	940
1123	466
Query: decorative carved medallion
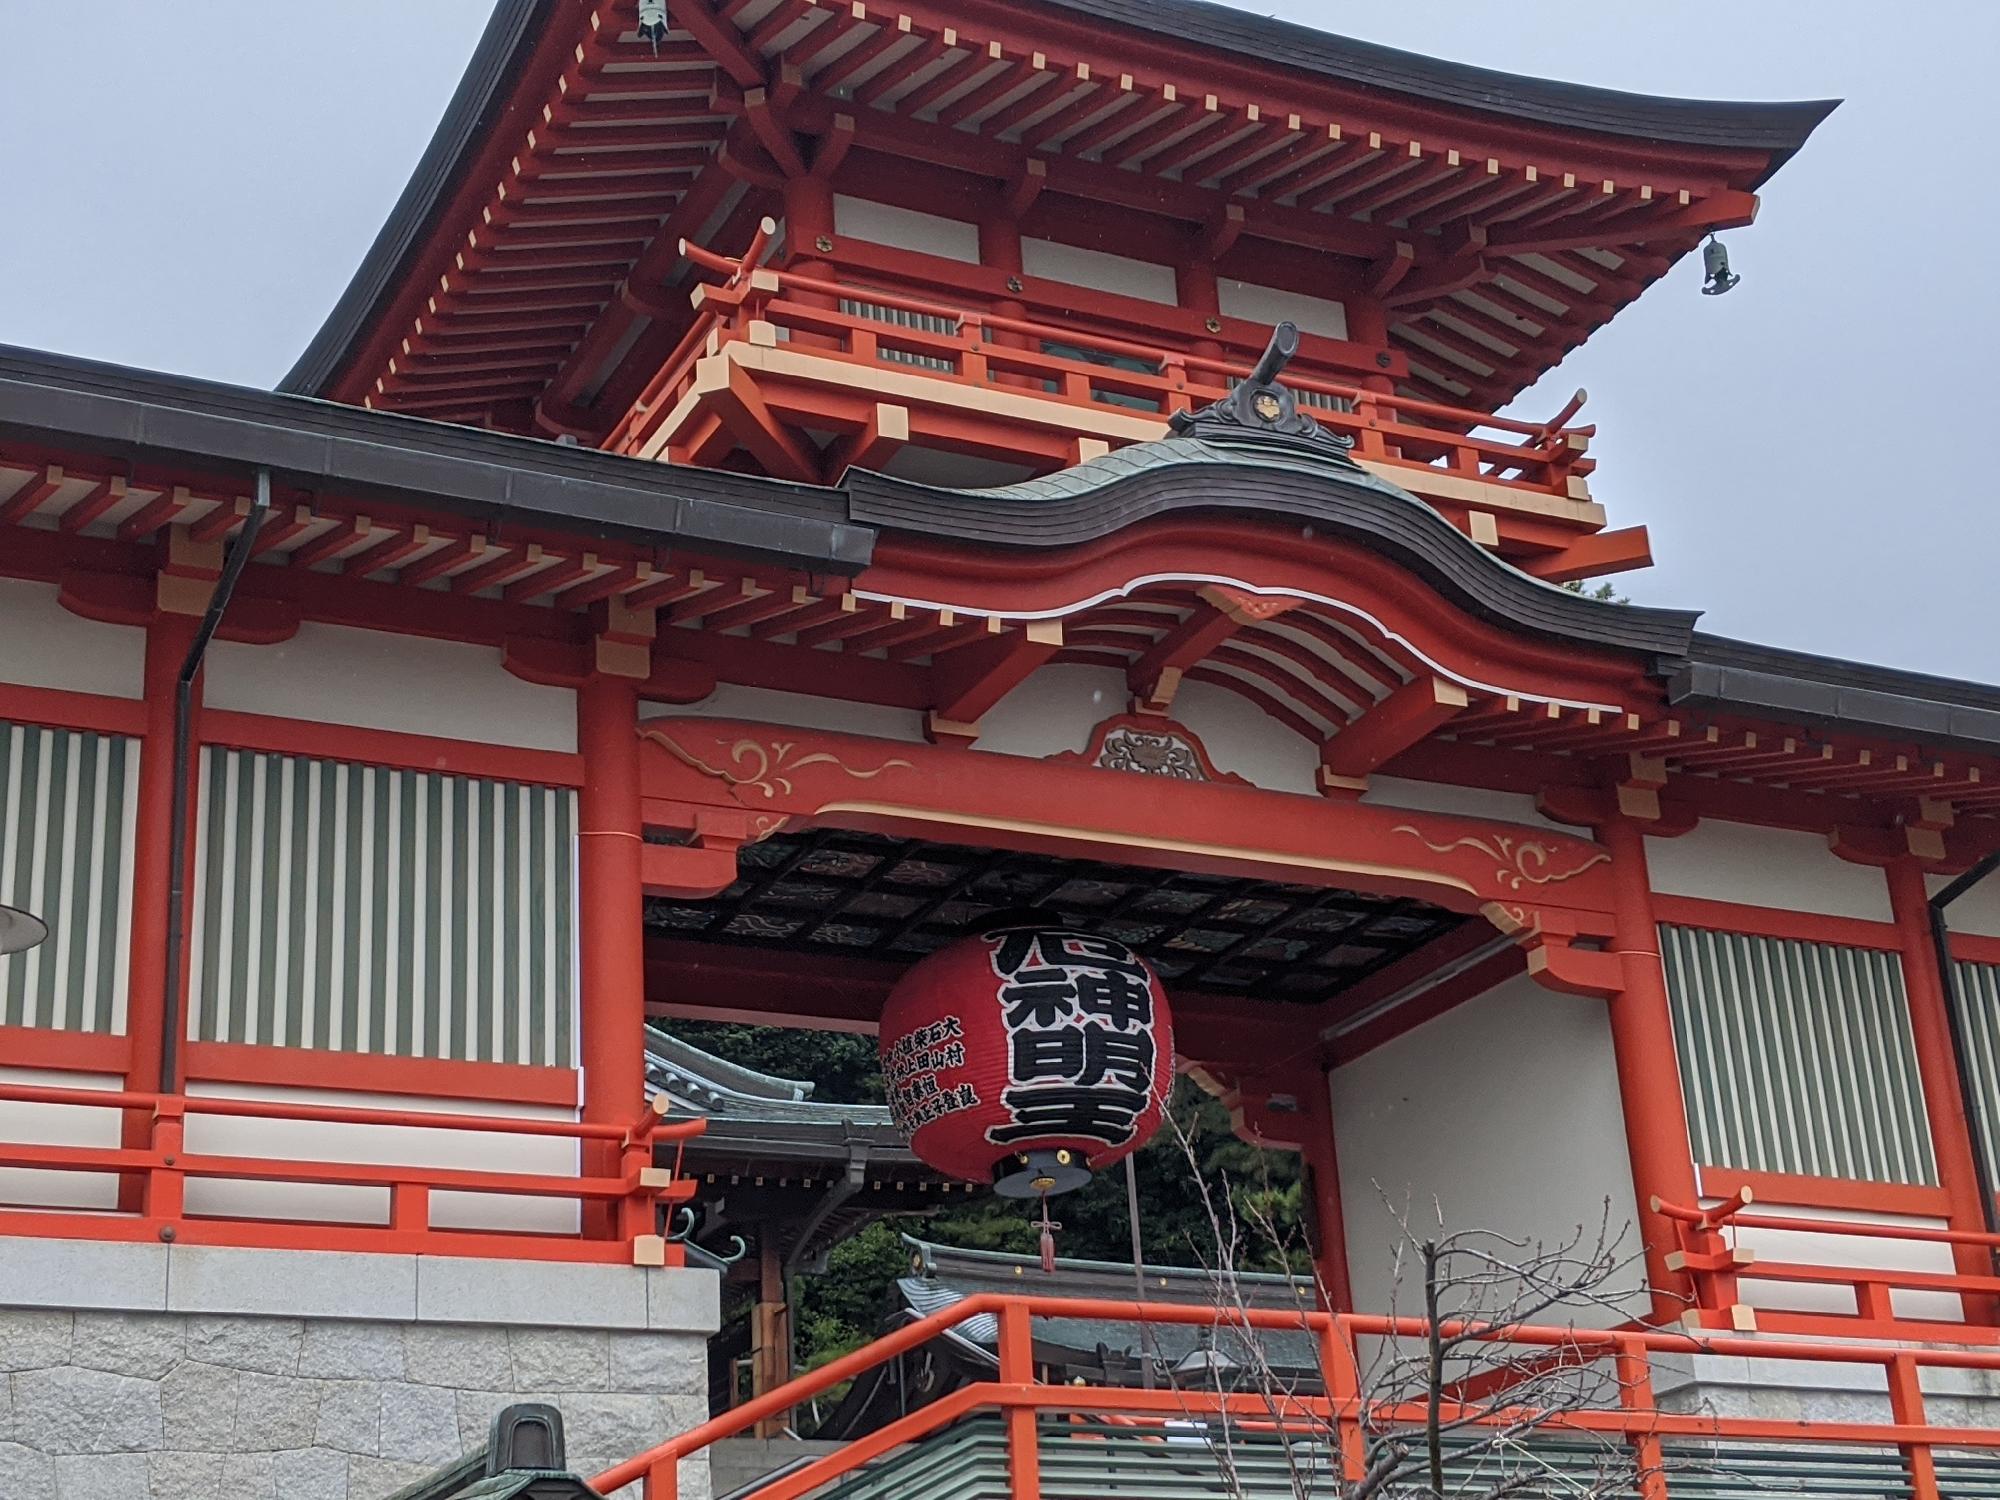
1149	747
768	768
1518	863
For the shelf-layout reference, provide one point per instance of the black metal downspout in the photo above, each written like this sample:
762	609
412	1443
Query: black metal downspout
1977	1110
232	569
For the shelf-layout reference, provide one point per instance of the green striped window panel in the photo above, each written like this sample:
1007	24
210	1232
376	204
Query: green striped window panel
365	909
1796	1057
1978	1000
66	817
900	318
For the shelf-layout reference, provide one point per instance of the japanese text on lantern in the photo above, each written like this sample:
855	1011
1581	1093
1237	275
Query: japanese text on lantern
1079	1021
911	1071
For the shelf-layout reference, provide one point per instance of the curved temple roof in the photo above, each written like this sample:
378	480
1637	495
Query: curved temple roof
57	403
507	88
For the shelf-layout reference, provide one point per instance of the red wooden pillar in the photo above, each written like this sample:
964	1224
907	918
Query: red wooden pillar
1321	1155
1000	250
1649	1087
610	918
1195	290
167	640
1937	1063
808	228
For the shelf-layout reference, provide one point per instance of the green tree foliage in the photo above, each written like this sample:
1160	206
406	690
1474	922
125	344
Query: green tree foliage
842	1308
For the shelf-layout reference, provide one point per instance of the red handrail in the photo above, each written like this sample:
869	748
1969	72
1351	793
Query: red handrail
632	1188
1020	1394
1553	445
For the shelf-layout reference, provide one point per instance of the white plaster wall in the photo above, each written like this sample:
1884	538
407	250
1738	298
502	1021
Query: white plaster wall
905	228
1976	912
399	1145
1865	1252
44	645
1098	269
1242	738
1467	801
768	706
1766	867
57	1125
1055	710
1271	304
1503	1111
373	679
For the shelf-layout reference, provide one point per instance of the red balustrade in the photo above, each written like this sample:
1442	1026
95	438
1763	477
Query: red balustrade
163	1167
1718	1266
1065	362
1344	1411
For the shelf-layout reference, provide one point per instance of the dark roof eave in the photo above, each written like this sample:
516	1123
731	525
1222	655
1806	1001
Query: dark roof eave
323	445
1776	127
1827	692
510	35
1375	515
515	28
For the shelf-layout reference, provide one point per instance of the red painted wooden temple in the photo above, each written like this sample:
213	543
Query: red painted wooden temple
793	477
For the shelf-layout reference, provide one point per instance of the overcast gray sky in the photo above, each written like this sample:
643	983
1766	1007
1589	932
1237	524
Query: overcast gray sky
188	186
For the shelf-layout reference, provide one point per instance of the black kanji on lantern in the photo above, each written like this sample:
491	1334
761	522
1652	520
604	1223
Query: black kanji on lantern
1080	1043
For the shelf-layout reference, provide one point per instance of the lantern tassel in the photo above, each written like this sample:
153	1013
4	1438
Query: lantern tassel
1048	1227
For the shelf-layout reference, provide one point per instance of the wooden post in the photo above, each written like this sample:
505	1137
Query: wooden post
1017	1371
1937	1067
610	922
1642	1042
1000	250
1321	1155
167	640
770	1329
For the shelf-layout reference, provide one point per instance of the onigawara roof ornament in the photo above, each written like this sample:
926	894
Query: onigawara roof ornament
1262	411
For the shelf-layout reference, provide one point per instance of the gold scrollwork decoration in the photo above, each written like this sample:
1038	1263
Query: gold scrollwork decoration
768	768
1518	863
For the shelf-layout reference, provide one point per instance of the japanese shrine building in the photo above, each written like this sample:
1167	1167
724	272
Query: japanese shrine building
793	477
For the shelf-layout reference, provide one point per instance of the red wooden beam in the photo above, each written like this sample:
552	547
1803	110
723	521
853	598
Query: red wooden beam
967	681
1218	614
29	498
109	492
720	40
344	534
443	561
501	570
387	553
160	511
1385	731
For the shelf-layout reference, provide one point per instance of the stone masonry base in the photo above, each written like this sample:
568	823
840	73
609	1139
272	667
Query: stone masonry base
163	1403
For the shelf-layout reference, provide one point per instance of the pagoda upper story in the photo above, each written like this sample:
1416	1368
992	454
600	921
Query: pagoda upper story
972	241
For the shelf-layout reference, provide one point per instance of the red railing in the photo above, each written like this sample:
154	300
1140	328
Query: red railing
1344	1413
1718	1266
982	346
620	1209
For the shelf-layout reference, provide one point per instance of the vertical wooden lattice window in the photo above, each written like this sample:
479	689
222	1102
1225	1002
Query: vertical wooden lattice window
66	821
1977	996
365	909
1796	1057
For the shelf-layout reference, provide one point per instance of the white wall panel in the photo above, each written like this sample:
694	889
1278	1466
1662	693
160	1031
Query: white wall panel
1271	304
44	645
768	706
373	679
1766	867
399	1145
58	1125
906	228
1099	270
1504	1111
1466	801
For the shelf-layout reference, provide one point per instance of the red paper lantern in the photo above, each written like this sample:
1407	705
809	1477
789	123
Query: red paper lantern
1026	1054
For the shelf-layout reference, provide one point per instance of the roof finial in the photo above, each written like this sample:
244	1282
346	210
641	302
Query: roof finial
1261	410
